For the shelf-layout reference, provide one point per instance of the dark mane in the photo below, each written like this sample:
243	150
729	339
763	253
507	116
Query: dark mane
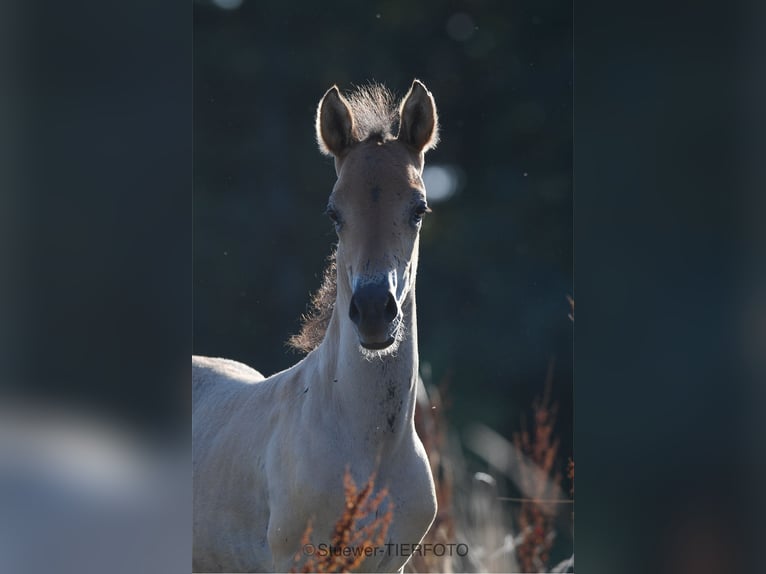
375	112
316	320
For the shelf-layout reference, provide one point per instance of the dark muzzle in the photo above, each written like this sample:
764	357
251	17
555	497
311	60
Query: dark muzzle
373	310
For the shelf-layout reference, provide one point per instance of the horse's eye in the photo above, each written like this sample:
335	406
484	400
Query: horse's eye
420	210
332	214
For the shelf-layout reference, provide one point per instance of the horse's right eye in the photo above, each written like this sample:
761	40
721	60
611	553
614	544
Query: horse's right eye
332	214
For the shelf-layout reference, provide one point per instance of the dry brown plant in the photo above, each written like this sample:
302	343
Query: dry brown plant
536	517
431	425
351	542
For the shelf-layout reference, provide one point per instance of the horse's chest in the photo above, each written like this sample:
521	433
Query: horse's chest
323	501
414	502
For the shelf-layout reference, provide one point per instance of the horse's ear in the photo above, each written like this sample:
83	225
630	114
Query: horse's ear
334	123
418	121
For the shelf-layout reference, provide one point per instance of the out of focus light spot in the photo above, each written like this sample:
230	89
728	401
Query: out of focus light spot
377	16
485	478
441	182
228	4
460	27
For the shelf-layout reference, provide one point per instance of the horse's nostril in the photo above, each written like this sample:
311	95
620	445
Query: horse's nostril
373	308
392	309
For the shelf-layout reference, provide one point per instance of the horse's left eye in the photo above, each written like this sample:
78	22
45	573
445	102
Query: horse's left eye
332	214
420	210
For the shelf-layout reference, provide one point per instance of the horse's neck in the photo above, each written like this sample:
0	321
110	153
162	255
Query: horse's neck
376	395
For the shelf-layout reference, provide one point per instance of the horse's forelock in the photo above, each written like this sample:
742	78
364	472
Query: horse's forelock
375	112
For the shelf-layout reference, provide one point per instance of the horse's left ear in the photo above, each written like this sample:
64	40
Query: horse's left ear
418	121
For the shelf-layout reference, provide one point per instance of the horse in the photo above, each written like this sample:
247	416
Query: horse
269	454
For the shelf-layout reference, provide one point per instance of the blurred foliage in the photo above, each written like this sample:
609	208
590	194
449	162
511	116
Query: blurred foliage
496	258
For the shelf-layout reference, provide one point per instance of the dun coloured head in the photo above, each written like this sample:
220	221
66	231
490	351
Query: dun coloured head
378	201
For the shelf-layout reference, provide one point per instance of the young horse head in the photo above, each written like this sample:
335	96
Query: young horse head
285	441
377	206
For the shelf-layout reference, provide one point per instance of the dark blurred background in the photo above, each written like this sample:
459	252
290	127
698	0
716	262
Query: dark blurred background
95	202
496	254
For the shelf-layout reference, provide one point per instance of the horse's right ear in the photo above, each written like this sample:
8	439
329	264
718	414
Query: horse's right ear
334	123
